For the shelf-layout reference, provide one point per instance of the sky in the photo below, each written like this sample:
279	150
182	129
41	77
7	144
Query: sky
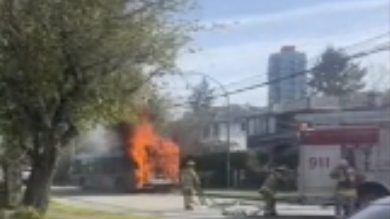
239	35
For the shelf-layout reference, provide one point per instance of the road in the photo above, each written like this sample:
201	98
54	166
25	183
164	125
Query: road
168	206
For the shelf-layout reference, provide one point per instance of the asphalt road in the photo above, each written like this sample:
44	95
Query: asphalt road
169	206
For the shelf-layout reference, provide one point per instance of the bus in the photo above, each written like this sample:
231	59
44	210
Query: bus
112	171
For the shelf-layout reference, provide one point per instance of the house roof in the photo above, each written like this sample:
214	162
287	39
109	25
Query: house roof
236	112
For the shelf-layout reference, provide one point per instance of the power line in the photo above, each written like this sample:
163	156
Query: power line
344	49
374	50
255	77
252	77
354	56
367	40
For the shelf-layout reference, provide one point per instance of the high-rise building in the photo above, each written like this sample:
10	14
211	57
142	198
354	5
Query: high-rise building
287	62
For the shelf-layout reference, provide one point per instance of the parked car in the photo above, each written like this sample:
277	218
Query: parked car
379	209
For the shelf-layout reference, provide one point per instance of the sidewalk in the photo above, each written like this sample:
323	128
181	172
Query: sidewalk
253	195
246	194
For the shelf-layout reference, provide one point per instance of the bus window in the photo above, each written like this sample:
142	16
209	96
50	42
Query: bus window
109	165
76	167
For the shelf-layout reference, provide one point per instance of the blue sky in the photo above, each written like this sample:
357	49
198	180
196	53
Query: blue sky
239	35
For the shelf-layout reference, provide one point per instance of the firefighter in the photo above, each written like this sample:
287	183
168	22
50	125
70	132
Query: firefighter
190	184
270	187
345	195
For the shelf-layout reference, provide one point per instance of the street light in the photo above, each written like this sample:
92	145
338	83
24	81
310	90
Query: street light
228	122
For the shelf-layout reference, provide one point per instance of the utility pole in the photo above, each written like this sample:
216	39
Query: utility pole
228	124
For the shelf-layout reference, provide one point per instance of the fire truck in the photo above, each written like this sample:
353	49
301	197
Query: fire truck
324	139
360	137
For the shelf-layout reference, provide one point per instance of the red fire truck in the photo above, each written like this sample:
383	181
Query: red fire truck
365	145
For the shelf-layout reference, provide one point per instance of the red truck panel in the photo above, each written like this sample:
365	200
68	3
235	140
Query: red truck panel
340	136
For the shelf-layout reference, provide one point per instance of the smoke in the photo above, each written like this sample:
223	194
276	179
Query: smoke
100	141
153	156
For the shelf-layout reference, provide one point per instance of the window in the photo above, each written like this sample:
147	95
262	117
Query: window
215	130
109	165
243	126
206	132
251	126
76	167
257	126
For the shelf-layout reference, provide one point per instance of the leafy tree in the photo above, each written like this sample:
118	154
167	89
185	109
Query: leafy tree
337	75
11	163
189	130
201	97
66	65
158	106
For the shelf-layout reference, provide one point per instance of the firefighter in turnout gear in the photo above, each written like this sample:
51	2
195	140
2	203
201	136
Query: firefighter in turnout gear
269	188
345	195
190	184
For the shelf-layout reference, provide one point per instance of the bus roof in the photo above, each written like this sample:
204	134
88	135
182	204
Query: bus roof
84	156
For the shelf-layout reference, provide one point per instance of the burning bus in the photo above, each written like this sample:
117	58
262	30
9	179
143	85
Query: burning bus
142	160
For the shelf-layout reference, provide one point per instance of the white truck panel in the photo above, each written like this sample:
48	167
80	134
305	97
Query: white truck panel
317	160
379	169
316	163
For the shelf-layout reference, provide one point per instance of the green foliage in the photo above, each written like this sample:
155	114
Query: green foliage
81	62
67	65
201	97
158	106
25	213
215	165
189	130
336	75
255	161
59	210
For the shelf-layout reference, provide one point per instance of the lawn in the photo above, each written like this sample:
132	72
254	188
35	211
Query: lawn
61	211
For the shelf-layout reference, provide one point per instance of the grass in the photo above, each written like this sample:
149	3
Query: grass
61	211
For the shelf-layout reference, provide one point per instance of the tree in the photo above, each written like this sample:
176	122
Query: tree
336	75
201	97
11	164
67	65
188	131
158	109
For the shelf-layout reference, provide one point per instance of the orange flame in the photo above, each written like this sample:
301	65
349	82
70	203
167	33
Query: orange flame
152	154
